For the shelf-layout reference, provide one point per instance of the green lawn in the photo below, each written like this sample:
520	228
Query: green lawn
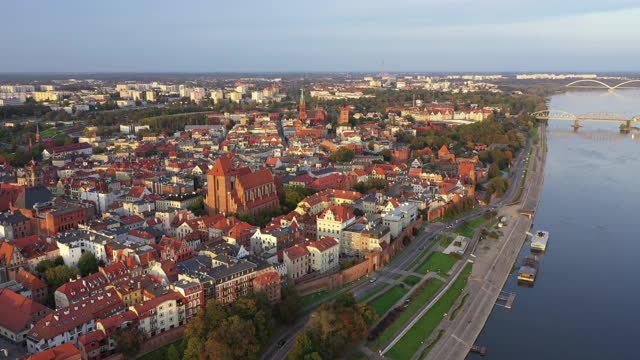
312	298
412	340
372	295
420	258
468	228
418	299
161	352
411	280
438	262
445	240
384	302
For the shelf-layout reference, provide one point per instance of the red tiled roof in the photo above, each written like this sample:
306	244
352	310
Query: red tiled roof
324	244
18	312
296	251
267	278
101	305
252	180
60	352
144	309
340	213
29	280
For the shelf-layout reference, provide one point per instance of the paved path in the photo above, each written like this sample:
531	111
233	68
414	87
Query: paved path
492	268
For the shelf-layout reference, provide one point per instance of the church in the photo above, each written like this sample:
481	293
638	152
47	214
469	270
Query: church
239	190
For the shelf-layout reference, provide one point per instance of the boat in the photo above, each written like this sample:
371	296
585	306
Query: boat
528	270
539	241
482	350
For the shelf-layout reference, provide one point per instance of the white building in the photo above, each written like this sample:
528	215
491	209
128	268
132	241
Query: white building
297	259
73	244
399	218
332	221
160	314
325	255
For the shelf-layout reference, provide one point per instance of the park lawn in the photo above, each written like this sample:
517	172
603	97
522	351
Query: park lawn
411	280
467	229
161	352
420	258
412	340
445	240
317	296
384	302
417	301
374	294
438	262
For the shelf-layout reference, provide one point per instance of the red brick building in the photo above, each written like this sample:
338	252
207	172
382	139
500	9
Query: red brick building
269	283
344	115
240	191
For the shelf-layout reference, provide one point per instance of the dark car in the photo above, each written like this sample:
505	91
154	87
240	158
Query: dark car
281	343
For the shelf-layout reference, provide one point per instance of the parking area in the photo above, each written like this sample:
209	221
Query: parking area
15	351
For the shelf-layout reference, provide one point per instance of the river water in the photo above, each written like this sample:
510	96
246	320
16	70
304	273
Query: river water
585	302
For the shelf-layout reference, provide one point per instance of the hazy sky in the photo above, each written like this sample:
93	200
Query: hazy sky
324	35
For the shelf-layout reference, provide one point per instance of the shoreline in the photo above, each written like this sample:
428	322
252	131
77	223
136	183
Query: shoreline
493	265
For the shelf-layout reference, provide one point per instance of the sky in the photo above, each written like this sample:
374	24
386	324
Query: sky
326	35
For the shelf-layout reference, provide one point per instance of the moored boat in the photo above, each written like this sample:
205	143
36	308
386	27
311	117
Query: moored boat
539	240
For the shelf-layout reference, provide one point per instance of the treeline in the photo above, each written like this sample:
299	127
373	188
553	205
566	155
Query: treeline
333	328
391	98
237	331
27	109
485	132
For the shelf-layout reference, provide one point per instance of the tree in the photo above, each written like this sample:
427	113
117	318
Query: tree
239	335
293	195
494	171
58	275
128	342
87	264
342	155
290	304
173	353
194	348
386	154
197	208
45	265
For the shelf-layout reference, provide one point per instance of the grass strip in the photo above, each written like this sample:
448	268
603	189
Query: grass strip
422	329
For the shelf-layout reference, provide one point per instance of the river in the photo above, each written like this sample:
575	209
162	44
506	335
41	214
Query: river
584	304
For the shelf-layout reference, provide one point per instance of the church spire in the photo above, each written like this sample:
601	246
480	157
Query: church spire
302	113
38	138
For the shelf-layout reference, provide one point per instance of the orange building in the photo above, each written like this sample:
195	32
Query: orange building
240	191
344	115
400	155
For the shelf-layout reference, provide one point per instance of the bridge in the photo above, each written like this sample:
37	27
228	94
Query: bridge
626	126
597	84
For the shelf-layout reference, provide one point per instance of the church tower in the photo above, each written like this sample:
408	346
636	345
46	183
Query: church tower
343	119
38	138
302	113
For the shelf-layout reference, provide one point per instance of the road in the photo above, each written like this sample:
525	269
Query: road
492	267
404	259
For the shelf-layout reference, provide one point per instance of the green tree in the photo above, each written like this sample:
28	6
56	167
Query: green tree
494	171
289	307
173	353
87	264
128	342
197	208
342	155
58	275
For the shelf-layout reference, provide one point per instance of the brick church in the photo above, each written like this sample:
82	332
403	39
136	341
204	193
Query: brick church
240	191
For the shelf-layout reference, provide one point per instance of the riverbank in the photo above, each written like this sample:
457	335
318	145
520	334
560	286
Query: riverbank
493	262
